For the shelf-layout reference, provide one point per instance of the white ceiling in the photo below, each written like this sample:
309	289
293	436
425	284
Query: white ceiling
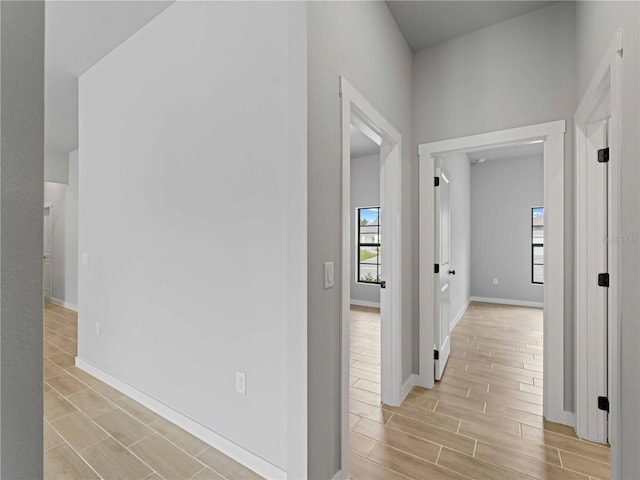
426	23
508	152
77	35
361	145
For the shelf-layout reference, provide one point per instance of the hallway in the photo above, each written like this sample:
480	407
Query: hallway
93	431
483	420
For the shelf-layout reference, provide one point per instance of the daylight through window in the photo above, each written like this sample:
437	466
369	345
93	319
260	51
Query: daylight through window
537	245
369	245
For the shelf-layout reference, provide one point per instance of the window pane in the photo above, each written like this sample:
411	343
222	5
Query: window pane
538	234
538	273
538	255
370	255
369	273
538	216
369	216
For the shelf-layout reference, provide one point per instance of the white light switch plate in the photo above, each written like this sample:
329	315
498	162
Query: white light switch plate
328	275
85	259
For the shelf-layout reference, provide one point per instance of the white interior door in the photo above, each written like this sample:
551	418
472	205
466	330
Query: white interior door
47	256
442	253
598	263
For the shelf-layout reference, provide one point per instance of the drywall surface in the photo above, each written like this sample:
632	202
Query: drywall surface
361	41
190	272
365	192
71	234
502	195
515	73
596	24
56	166
21	219
458	171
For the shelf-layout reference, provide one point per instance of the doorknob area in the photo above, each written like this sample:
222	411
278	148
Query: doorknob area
452	272
383	284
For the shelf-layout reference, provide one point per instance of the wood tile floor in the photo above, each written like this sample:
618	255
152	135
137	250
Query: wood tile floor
93	431
482	421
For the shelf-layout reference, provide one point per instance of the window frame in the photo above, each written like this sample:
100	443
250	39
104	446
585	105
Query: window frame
534	245
358	246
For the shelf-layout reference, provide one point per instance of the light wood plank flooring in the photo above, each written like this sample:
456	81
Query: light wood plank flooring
93	431
482	421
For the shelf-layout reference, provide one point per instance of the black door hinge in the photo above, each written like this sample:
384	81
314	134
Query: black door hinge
436	181
603	279
436	268
603	155
436	354
603	404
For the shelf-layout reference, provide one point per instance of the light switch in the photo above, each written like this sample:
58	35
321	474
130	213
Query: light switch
328	275
85	259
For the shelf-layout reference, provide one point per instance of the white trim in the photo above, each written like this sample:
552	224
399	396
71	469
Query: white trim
603	98
553	135
460	314
364	303
337	476
407	386
506	301
62	303
354	105
238	453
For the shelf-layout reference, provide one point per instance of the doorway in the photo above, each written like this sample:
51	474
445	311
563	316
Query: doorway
357	111
47	253
552	134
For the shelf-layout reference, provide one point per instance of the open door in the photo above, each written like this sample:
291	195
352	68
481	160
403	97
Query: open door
443	271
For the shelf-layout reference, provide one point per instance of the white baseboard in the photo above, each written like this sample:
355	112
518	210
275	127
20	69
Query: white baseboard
364	303
459	315
238	453
337	476
504	301
62	303
407	386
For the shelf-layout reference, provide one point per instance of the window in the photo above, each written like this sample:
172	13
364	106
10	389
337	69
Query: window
537	245
369	245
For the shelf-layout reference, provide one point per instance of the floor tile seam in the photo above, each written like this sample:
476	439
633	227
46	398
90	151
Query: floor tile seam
402	475
58	334
130	452
561	450
79	455
429	440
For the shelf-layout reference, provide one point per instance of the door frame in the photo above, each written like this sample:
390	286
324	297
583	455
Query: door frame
49	206
552	133
603	98
355	108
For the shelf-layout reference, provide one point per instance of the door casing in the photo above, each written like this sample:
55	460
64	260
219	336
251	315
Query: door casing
552	133
356	109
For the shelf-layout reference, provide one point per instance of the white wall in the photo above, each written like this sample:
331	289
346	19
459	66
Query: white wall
192	195
515	73
361	41
56	166
458	170
21	214
596	23
502	195
365	192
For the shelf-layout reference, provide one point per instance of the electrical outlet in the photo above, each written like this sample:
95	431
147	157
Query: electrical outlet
98	329
495	280
241	383
85	259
